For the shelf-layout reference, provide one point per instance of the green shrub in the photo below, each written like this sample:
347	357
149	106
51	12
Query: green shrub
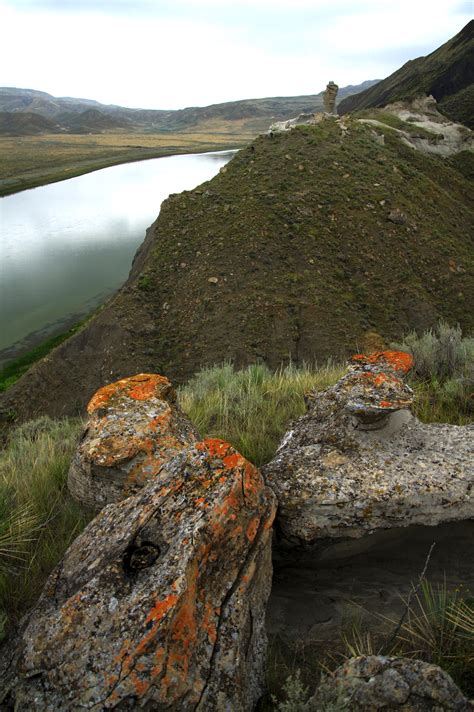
443	374
38	519
296	695
253	407
441	354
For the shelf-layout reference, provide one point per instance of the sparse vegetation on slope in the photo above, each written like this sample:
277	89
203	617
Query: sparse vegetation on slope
301	245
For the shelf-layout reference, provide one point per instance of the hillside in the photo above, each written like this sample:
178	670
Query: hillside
92	121
447	74
83	115
303	244
25	123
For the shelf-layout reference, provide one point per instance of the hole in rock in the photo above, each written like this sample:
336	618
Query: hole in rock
139	556
320	594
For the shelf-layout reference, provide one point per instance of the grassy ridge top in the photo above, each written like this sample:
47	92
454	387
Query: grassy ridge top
303	244
446	73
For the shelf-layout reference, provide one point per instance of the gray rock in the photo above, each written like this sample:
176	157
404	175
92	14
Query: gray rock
359	461
159	604
372	683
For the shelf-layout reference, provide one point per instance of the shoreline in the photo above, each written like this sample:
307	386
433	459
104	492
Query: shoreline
35	346
10	186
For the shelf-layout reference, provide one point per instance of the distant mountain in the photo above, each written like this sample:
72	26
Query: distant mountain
87	116
447	74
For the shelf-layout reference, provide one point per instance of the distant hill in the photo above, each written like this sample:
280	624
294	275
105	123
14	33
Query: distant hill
25	124
300	247
87	116
447	74
92	121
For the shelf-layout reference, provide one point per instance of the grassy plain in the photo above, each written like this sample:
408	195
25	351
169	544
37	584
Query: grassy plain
30	161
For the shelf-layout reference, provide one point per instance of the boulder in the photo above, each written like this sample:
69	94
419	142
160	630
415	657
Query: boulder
374	682
134	426
359	461
160	602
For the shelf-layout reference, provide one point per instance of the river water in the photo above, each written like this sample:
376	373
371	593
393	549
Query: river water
66	247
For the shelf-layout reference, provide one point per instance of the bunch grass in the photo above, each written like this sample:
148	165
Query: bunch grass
38	519
252	408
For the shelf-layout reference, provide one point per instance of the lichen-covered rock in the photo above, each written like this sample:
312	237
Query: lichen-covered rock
134	426
358	460
372	683
160	602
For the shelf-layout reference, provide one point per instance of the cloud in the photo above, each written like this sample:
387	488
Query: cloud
157	54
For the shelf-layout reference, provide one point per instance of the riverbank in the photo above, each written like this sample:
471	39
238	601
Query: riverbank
31	161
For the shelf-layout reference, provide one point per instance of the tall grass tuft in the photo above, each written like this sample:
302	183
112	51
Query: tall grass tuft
251	408
38	519
440	629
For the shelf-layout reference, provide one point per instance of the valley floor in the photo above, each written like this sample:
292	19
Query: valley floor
31	161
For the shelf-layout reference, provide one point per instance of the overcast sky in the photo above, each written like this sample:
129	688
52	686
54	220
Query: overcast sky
167	55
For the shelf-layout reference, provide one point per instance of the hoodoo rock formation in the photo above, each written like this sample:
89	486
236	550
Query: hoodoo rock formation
134	426
359	461
160	602
329	97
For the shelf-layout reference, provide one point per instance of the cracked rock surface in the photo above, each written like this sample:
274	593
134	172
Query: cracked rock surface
134	426
374	682
160	602
359	461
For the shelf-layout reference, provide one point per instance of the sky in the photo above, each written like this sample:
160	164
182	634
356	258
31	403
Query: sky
168	55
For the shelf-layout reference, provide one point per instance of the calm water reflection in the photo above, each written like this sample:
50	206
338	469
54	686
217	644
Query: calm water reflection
65	247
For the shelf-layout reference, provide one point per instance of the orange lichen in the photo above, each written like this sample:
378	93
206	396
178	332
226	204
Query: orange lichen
385	404
381	379
252	528
233	460
215	447
397	360
143	386
144	390
160	422
161	608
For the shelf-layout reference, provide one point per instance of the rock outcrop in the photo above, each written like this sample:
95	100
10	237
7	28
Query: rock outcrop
372	683
301	120
160	602
134	426
329	97
422	127
359	461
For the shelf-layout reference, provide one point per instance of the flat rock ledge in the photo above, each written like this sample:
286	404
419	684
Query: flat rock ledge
372	683
134	426
359	461
160	603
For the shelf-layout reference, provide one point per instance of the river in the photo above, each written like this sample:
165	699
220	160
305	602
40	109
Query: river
66	247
